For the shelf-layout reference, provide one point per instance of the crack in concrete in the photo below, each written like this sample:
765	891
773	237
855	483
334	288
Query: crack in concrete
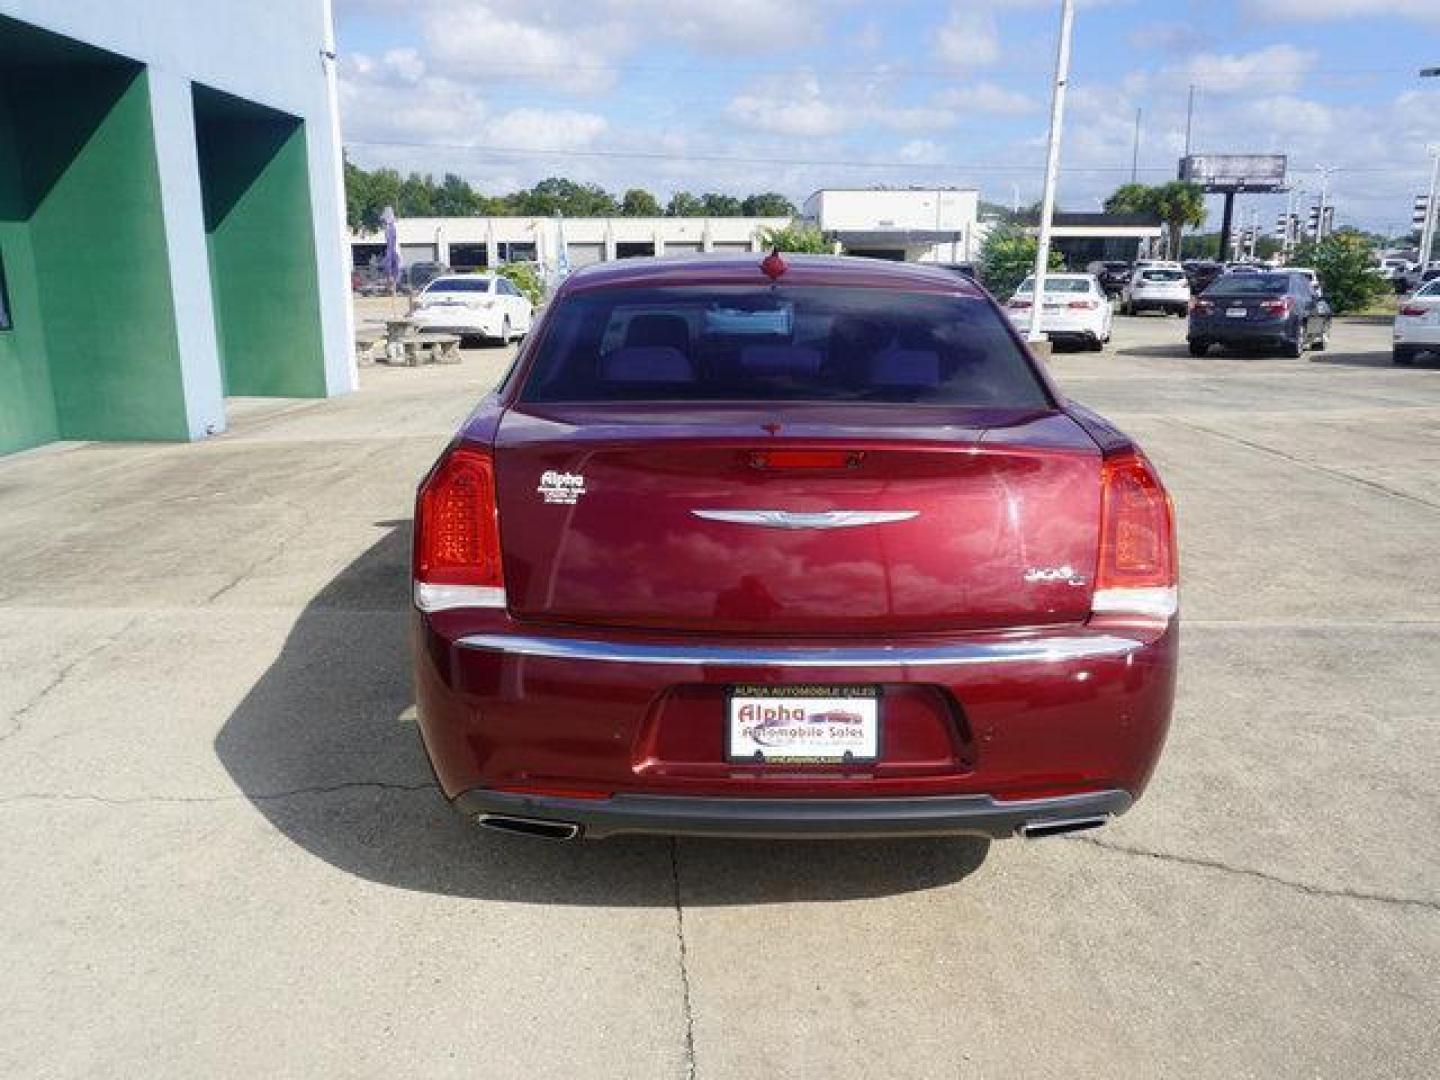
1305	887
1324	470
684	957
17	718
205	800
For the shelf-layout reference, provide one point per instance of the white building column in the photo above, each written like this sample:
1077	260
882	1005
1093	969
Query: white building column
172	111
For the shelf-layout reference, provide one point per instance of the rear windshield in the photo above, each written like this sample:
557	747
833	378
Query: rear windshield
778	343
477	284
1057	285
1163	275
1250	285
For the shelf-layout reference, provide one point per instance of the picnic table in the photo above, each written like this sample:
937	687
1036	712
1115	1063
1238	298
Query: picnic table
407	346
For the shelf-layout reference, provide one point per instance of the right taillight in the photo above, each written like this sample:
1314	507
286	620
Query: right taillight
457	535
1137	569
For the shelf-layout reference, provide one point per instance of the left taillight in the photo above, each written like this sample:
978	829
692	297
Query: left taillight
1137	572
457	535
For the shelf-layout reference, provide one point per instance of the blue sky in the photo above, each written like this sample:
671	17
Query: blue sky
792	95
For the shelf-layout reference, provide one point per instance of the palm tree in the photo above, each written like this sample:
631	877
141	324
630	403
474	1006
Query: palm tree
1179	204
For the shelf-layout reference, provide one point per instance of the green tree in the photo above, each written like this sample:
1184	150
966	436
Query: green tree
455	198
526	278
717	205
767	204
1343	261
637	202
557	195
683	204
799	238
1131	199
1007	256
416	197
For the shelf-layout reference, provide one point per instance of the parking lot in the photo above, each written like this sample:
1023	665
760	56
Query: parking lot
224	854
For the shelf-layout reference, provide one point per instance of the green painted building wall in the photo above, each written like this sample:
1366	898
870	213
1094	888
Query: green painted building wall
98	239
27	402
93	352
259	228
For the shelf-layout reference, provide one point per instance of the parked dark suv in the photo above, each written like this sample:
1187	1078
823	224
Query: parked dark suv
1112	274
1265	310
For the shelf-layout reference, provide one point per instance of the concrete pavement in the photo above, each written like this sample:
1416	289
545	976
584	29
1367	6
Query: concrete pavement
223	853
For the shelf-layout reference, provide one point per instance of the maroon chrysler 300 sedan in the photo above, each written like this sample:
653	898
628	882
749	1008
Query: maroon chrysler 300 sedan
793	546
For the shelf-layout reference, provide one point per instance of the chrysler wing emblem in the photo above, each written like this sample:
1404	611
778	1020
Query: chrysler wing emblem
794	519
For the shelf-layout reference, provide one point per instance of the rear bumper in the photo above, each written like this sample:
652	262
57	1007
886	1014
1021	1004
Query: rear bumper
816	819
482	323
1223	331
600	721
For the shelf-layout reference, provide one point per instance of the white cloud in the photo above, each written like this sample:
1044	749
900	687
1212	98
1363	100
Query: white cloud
1274	69
731	24
987	97
921	152
1426	10
969	38
536	42
546	129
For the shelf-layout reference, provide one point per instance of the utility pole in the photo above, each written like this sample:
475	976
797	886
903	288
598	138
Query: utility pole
1135	154
1189	118
1052	168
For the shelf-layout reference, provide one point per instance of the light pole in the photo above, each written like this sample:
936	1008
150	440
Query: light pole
1427	235
1324	171
1052	168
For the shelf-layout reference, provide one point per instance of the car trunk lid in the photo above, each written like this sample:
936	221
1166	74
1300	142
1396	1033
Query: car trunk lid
834	520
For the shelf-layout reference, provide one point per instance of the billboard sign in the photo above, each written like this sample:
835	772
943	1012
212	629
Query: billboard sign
1235	172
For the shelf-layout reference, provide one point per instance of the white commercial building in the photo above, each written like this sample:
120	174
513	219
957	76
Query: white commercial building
171	215
934	225
470	243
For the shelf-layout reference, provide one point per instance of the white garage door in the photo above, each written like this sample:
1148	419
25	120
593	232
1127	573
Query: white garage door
585	254
413	253
731	246
682	247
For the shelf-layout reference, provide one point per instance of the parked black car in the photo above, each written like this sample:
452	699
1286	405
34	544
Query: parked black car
1112	273
1202	273
1262	310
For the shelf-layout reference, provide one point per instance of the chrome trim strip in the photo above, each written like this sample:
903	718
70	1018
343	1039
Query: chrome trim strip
1026	650
1159	603
794	519
430	597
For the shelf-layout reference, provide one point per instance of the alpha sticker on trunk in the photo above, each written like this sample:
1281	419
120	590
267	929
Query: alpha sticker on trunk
561	487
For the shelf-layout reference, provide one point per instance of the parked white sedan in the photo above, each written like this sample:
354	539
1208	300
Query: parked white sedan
1417	324
1076	310
474	305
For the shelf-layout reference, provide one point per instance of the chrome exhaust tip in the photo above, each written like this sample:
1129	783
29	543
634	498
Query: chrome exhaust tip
545	830
1034	830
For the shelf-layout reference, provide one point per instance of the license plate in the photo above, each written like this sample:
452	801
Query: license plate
802	725
1235	312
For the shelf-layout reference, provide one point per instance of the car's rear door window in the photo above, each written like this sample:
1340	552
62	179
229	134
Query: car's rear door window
781	343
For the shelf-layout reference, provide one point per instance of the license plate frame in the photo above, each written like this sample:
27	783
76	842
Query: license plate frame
788	740
1236	313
